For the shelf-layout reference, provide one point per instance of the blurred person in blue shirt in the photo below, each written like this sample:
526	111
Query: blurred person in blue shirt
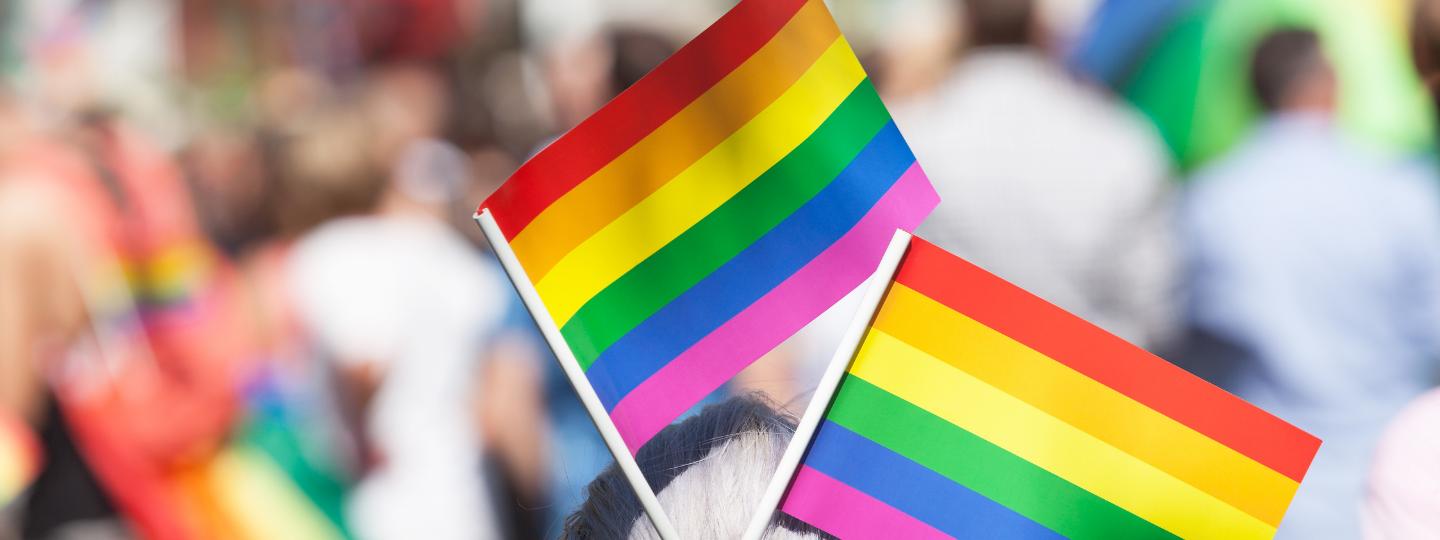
1317	266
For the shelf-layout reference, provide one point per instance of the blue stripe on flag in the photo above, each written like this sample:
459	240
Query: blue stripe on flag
909	487
761	267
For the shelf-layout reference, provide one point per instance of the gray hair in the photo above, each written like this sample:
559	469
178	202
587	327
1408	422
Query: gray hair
708	472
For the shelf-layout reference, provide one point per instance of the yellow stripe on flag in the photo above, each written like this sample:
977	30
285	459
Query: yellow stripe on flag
678	143
703	187
1050	443
1086	404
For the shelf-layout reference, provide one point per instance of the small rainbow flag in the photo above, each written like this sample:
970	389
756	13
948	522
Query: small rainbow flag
713	209
976	410
19	456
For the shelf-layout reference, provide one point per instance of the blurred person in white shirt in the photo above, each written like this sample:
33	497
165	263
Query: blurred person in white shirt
407	308
1046	183
405	305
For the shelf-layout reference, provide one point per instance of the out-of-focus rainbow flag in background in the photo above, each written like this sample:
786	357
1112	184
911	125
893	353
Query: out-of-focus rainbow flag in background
713	209
1185	63
976	410
19	456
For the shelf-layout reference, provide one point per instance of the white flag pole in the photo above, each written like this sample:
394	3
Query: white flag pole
567	360
829	382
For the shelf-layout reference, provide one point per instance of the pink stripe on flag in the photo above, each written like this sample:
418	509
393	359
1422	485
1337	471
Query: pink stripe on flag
848	513
774	317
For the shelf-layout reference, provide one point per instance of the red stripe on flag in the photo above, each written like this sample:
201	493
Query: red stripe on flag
1107	359
638	111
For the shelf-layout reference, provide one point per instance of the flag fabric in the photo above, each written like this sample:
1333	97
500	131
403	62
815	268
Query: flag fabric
19	456
712	210
976	410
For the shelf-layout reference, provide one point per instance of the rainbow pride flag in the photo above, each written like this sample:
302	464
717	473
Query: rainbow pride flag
19	456
976	410
713	209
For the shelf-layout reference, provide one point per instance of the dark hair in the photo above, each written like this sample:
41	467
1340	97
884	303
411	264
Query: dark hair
999	22
1425	44
611	508
1281	58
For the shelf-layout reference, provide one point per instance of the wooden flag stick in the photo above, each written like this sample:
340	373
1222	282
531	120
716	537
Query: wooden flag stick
829	382
571	366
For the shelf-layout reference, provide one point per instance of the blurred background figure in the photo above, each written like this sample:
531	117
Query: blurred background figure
127	321
915	48
1318	267
1401	501
404	306
1046	183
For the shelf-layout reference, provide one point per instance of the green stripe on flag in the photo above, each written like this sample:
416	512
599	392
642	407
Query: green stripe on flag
728	230
983	467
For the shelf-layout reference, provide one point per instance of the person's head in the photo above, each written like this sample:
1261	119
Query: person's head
577	73
1000	22
1289	73
428	179
708	472
326	168
406	103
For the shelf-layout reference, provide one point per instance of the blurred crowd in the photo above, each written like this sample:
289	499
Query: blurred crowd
241	295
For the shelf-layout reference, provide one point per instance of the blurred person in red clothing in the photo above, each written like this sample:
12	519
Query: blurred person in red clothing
115	302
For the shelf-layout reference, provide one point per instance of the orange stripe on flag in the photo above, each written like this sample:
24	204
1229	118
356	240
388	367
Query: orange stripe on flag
1107	359
677	144
1086	404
